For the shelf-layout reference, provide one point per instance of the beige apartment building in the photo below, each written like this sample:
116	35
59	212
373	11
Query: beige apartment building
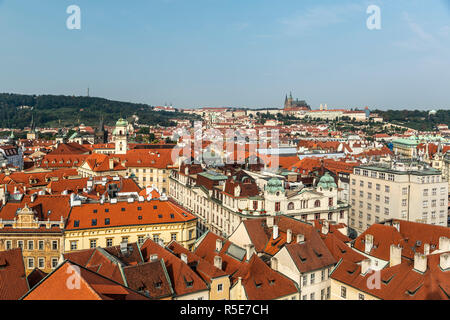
407	191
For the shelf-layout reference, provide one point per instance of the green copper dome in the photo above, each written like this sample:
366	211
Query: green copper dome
274	185
327	182
121	123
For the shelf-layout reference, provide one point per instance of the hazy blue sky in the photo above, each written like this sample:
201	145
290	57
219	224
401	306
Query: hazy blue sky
230	52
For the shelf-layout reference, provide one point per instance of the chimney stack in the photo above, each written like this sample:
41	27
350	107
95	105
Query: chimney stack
218	245
395	257
326	106
365	266
368	243
420	262
444	244
275	232
396	225
325	227
321	107
218	262
444	261
274	263
111	164
250	250
426	249
289	236
183	257
270	221
300	238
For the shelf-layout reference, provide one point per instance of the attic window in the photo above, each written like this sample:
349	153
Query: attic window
386	281
95	210
159	215
140	217
139	208
271	282
318	254
94	222
414	291
188	281
276	242
258	284
106	210
172	216
107	221
158	284
155	207
302	259
352	271
76	223
122	209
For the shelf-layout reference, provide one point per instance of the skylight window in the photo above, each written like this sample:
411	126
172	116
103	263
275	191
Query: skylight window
94	222
76	223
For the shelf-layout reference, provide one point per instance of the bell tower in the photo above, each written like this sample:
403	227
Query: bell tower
120	136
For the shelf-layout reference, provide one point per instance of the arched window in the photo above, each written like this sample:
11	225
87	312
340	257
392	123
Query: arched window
291	206
317	203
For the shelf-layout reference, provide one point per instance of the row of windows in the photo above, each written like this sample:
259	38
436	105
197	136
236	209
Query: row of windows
110	242
344	294
31	245
434	192
375	174
312	277
442	202
41	263
323	295
387	189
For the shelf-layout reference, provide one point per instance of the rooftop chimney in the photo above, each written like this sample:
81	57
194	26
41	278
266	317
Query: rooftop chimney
270	221
111	164
420	262
274	263
444	244
300	238
395	257
321	106
250	251
218	262
275	232
368	243
396	225
325	227
153	257
426	249
183	257
365	266
218	245
444	262
289	236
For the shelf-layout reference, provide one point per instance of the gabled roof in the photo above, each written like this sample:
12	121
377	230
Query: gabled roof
263	283
400	282
205	269
89	285
412	237
184	280
13	280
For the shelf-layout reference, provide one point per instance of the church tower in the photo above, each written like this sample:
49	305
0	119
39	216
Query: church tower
120	135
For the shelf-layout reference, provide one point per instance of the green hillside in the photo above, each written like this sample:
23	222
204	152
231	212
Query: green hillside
16	111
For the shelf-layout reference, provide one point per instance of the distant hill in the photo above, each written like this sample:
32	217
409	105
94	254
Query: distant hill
416	119
16	111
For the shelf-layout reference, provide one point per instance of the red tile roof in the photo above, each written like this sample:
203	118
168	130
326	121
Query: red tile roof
92	286
13	280
400	282
263	283
184	280
127	214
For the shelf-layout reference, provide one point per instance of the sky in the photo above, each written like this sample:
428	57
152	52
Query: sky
241	53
